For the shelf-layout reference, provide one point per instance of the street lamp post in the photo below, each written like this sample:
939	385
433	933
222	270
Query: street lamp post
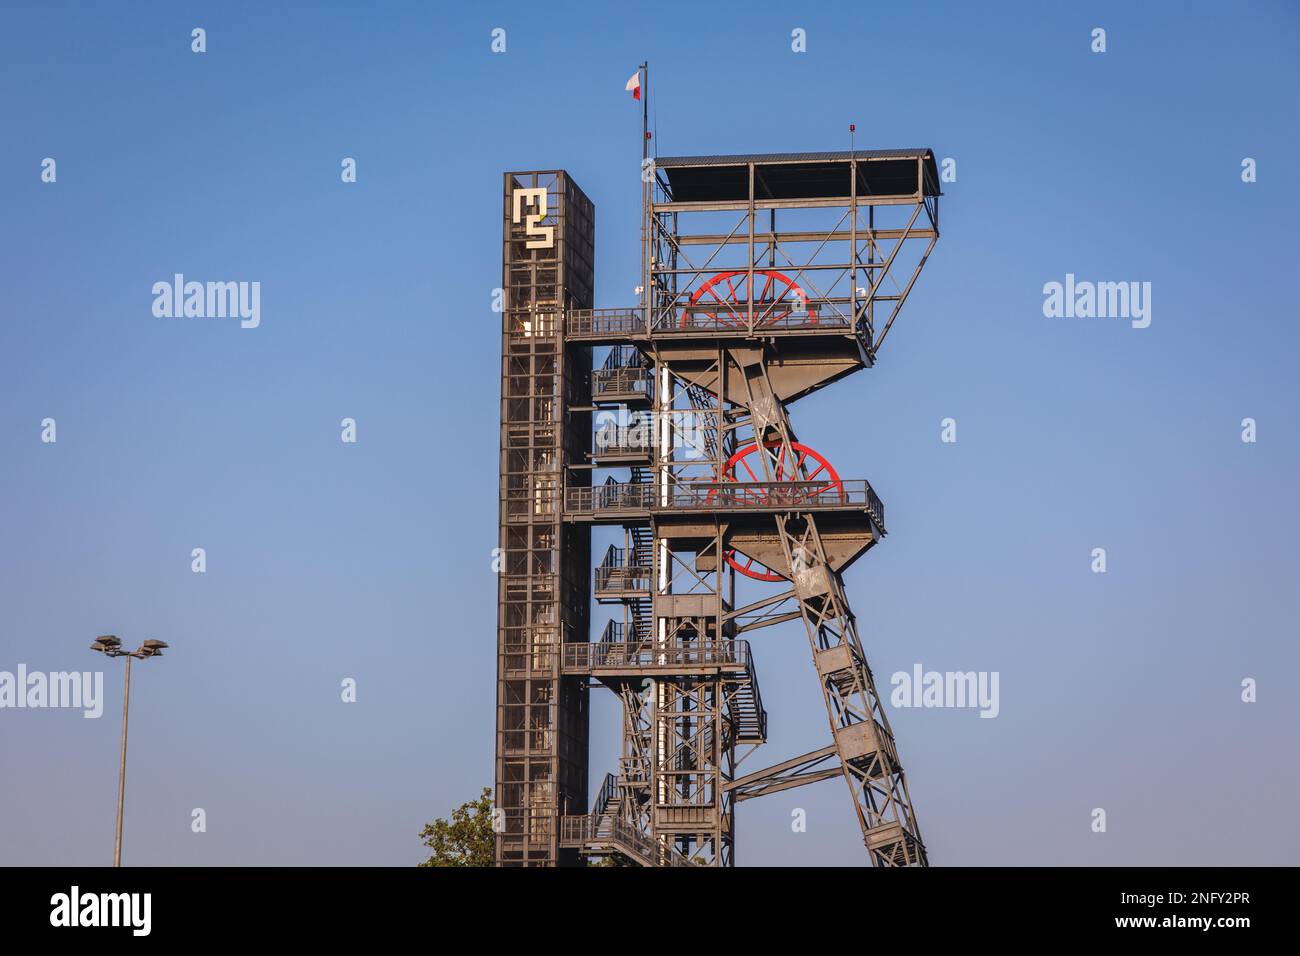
110	646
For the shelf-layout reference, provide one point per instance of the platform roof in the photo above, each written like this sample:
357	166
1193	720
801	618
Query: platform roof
881	172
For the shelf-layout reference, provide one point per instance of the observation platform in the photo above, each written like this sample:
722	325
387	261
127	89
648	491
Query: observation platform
616	503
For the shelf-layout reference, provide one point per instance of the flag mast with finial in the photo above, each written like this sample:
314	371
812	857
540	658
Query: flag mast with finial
645	111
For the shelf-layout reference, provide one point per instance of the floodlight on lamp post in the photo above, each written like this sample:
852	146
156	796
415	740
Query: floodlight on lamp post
110	646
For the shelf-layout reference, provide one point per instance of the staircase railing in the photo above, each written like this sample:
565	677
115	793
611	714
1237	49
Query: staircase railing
751	676
617	573
613	633
607	793
623	374
605	832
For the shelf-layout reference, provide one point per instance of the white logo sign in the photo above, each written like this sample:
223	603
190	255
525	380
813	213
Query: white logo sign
543	237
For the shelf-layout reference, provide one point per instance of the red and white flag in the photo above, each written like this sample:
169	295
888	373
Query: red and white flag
634	85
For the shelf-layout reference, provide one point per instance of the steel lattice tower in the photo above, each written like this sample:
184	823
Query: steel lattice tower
766	278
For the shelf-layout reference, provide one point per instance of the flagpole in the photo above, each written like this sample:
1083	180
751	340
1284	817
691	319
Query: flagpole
645	193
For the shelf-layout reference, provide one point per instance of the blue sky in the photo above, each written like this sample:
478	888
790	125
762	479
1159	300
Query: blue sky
371	561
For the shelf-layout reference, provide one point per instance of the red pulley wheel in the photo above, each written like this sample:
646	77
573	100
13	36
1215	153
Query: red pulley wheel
797	463
722	302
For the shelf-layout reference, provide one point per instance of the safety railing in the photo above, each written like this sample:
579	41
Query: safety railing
730	654
831	314
769	315
613	440
614	573
616	632
618	498
753	718
607	793
623	383
611	832
599	323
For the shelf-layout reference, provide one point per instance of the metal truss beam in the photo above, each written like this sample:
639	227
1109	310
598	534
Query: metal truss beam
795	772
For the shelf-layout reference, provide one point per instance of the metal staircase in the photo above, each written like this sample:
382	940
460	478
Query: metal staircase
605	831
749	719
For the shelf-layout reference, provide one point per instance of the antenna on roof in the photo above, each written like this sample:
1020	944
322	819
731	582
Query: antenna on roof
852	129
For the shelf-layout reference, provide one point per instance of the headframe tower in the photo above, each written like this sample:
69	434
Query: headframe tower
666	426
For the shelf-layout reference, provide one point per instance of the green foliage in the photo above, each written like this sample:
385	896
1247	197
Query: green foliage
467	839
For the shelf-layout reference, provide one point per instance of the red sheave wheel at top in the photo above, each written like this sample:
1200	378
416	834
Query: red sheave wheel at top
798	463
722	302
